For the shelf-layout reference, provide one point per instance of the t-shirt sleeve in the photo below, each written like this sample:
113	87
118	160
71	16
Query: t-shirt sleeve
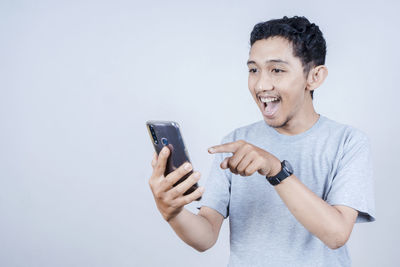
352	185
217	187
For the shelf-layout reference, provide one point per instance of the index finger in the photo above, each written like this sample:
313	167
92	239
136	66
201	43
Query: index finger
225	148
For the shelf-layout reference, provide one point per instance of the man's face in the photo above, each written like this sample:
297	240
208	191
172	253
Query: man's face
277	82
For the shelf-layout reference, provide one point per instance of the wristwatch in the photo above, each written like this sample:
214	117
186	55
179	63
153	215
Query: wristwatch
285	172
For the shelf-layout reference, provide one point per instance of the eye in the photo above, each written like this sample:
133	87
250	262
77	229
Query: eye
253	70
277	70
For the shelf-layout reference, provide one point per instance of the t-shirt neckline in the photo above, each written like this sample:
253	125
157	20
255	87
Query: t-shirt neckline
296	137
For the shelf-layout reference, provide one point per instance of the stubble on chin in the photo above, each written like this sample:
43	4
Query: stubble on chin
280	125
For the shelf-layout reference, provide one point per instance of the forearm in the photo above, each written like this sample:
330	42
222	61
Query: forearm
194	230
317	216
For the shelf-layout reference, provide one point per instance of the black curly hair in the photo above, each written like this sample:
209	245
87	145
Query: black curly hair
306	38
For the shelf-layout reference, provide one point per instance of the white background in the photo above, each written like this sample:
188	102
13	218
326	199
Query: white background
78	80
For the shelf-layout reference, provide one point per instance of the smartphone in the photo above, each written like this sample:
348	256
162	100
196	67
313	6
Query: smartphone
167	133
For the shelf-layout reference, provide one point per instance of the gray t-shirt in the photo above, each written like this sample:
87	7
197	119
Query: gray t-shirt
331	159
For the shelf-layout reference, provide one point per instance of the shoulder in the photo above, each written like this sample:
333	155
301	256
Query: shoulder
348	135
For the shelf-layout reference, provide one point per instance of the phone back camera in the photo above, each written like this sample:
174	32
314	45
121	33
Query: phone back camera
164	141
153	134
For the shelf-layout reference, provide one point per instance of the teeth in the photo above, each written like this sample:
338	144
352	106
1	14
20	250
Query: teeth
268	99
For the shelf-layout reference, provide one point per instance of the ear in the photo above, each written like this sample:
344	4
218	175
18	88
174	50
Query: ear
316	77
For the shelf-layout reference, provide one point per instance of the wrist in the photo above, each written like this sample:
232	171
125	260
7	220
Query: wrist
275	168
174	216
286	171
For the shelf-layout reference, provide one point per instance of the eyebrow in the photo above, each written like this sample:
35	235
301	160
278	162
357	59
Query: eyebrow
269	61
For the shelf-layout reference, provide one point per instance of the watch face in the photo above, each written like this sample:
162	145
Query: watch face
287	166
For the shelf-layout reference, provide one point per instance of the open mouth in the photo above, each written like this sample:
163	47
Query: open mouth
271	105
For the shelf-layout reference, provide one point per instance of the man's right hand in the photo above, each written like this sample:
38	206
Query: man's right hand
169	199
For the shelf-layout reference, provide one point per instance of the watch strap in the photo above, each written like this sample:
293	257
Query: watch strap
282	175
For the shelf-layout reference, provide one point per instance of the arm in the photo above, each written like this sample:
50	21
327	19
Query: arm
199	231
331	224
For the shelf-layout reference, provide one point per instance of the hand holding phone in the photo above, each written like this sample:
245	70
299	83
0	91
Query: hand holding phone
173	182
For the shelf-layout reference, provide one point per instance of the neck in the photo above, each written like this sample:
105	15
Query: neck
300	122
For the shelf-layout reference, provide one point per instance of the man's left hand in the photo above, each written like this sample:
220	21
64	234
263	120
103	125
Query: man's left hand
247	159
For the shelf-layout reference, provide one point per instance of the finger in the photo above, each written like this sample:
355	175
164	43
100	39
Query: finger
224	163
154	160
181	188
243	164
184	200
252	168
161	162
227	148
237	158
175	176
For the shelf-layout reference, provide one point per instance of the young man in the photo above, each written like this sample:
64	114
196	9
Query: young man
292	184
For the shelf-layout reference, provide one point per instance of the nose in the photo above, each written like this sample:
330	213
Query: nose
264	82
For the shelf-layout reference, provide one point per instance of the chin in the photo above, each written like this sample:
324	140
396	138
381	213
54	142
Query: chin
275	122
